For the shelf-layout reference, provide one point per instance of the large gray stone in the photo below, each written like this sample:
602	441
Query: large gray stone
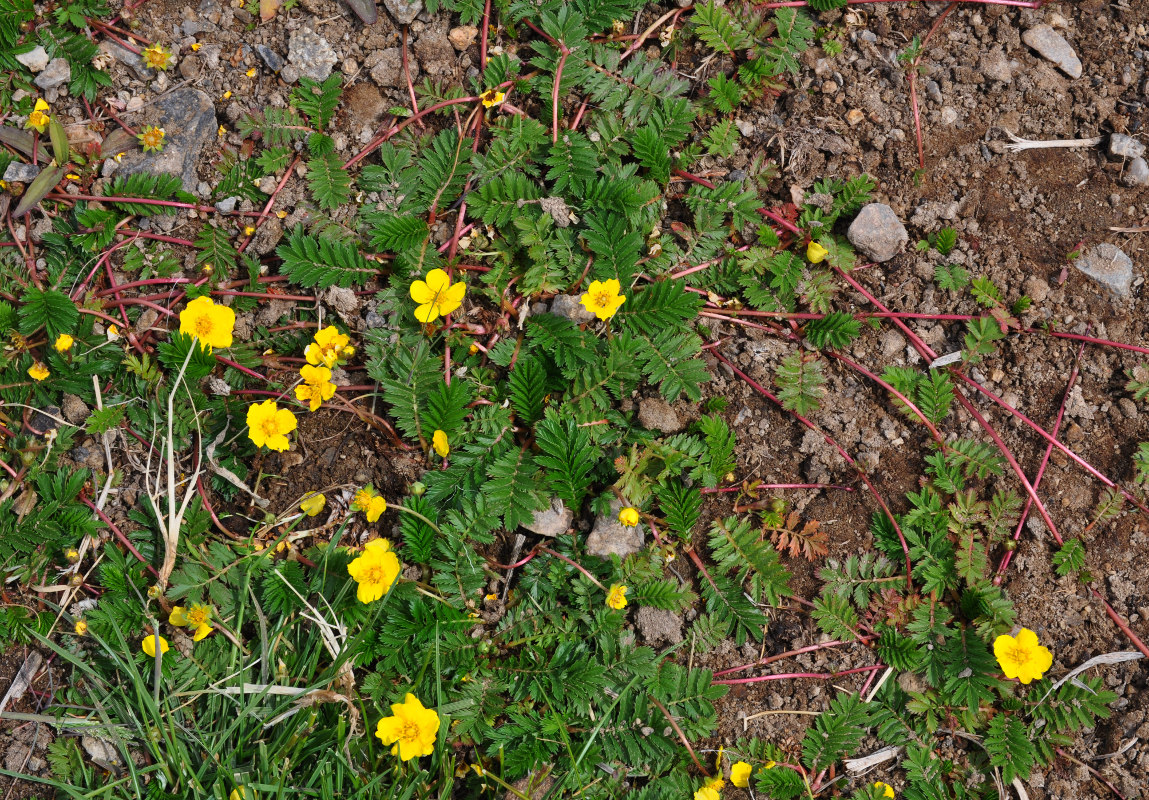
568	306
877	232
311	54
610	537
1052	46
188	118
35	59
1123	146
403	11
57	72
553	520
20	172
1109	266
1136	173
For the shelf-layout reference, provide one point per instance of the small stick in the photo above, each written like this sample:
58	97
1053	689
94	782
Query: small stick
1018	144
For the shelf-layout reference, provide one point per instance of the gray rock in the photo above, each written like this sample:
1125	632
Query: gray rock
344	301
404	11
374	319
877	232
289	74
568	306
388	70
273	59
1123	146
75	410
35	59
20	172
1136	173
463	37
551	521
1109	266
57	72
187	116
311	54
436	53
610	537
226	205
1052	46
659	626
996	67
656	414
128	59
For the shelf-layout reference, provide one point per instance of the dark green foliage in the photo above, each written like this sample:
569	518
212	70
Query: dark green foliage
856	579
47	309
835	330
406	378
835	732
681	507
1007	742
567	456
800	383
951	276
418	536
13	15
321	262
173	353
447	407
528	389
153	187
935	395
1070	557
742	551
836	616
318	100
329	183
215	249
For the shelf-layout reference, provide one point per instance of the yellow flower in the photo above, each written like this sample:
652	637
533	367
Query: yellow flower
771	764
616	597
221	132
226	95
212	324
815	252
64	343
251	72
602	298
474	348
1022	658
38	120
113	332
716	783
440	443
156	57
281	214
268	425
492	97
80	627
196	46
313	504
740	774
375	571
327	347
316	386
151	139
149	645
238	793
72	176
887	790
198	616
628	516
706	793
370	503
119	157
412	729
38	371
73	555
436	296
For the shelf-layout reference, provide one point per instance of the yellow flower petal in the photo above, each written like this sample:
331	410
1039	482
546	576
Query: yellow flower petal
149	645
740	774
63	343
177	617
440	443
816	253
38	372
887	790
201	631
628	516
616	597
313	504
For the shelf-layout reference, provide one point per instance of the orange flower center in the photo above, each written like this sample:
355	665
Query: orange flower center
410	732
270	427
203	326
376	574
602	299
